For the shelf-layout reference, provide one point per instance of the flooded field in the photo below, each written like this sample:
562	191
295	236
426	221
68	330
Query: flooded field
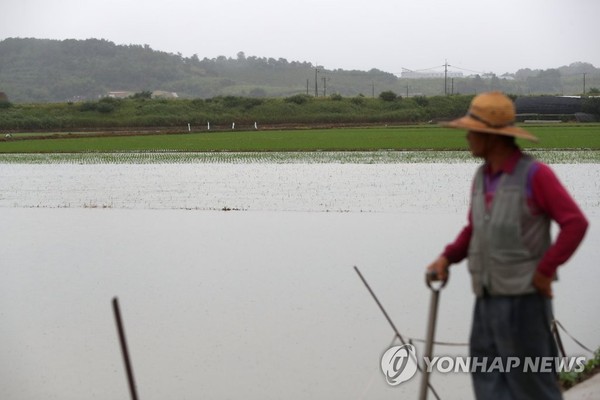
260	303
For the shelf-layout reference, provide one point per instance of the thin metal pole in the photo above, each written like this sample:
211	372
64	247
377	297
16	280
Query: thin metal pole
126	359
446	77
362	278
429	343
316	81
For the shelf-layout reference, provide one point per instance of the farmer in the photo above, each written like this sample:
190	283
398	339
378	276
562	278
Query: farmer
511	258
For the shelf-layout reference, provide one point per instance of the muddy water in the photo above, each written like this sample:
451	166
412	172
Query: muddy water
258	304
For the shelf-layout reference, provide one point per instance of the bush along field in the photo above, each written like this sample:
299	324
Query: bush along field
231	123
221	112
140	111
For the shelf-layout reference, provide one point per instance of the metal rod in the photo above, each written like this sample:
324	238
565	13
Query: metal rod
126	359
429	343
362	278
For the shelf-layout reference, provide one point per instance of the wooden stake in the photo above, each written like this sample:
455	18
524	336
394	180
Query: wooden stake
121	331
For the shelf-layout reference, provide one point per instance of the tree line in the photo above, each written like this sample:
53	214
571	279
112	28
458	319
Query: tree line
234	112
43	70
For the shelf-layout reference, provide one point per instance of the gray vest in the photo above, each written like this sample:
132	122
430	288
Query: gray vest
507	241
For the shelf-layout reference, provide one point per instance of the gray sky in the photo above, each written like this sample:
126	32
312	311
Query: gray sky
477	35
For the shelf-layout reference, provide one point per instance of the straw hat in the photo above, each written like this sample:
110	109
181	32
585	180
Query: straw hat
491	112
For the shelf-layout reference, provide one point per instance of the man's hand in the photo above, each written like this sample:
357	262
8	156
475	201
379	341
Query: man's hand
543	284
440	267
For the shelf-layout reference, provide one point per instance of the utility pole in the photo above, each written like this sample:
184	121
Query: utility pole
446	77
307	87
324	86
372	89
316	81
584	83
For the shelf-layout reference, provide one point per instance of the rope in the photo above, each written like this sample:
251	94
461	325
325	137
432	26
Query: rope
571	336
458	344
561	326
439	343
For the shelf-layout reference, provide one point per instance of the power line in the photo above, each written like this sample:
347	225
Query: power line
470	70
428	69
443	66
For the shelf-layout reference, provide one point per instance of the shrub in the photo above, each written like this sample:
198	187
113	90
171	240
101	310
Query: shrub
250	102
421	101
145	94
88	106
232	101
106	108
298	99
358	100
109	100
591	105
388	95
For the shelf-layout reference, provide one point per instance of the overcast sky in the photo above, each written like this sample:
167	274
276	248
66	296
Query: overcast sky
475	35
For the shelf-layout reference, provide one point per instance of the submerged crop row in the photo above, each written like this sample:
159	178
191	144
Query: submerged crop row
342	157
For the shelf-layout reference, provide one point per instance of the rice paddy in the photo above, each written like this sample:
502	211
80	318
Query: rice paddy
253	289
336	157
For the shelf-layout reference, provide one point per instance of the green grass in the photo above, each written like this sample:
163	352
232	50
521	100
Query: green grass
570	379
339	139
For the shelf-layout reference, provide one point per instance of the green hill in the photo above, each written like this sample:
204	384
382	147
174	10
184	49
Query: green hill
43	70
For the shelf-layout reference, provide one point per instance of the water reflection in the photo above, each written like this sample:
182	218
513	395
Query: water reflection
231	305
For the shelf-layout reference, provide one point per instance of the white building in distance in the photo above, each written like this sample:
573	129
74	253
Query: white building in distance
407	73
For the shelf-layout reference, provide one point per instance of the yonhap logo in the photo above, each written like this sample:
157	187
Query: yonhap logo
399	364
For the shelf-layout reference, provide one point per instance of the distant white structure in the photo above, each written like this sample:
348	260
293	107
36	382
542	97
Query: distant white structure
119	94
161	94
157	94
255	125
233	125
488	75
208	125
407	73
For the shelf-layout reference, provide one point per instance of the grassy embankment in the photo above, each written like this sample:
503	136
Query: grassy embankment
64	126
340	139
221	112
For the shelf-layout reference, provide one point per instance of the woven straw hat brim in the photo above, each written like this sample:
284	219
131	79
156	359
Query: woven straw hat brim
472	124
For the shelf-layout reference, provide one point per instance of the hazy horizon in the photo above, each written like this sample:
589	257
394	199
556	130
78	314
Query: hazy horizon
386	35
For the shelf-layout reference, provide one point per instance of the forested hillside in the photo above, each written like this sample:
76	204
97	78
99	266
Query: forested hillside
42	70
